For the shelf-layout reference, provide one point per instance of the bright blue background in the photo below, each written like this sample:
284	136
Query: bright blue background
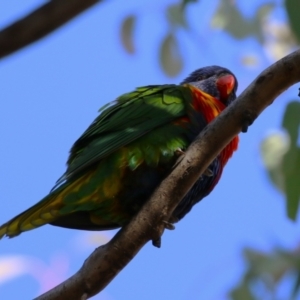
51	91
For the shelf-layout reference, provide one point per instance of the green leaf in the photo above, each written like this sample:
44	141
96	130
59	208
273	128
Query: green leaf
170	56
291	169
249	60
176	16
291	120
242	292
127	28
266	271
293	10
229	18
291	161
257	22
185	2
281	157
275	264
296	286
273	149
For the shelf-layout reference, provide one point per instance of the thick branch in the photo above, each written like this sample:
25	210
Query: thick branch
108	260
39	23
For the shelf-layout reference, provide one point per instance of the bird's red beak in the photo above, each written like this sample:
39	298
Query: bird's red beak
225	85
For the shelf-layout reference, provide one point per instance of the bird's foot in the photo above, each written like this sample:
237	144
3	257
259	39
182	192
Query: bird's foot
157	242
168	225
84	296
248	119
208	172
179	152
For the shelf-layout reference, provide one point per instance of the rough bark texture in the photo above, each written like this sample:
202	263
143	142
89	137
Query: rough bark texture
108	260
39	23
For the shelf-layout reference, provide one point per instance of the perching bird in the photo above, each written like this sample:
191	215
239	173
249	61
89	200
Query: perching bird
117	163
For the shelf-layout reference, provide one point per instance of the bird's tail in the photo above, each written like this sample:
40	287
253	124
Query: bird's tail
83	193
31	218
45	211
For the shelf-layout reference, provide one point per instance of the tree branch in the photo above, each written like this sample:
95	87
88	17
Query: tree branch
39	23
108	260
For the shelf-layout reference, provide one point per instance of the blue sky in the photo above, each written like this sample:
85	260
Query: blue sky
50	93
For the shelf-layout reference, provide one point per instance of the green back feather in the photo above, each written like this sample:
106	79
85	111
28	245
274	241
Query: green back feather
131	116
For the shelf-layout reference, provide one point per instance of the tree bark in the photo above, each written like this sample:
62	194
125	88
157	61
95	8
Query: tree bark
108	260
39	23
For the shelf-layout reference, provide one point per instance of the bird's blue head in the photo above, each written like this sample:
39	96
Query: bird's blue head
217	81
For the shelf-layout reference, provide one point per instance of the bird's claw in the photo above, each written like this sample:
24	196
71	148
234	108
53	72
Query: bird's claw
168	225
179	152
208	172
247	121
84	296
157	242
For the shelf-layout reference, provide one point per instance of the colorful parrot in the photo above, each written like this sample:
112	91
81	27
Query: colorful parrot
124	155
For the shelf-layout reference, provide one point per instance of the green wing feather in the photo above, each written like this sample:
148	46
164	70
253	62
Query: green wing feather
120	124
132	115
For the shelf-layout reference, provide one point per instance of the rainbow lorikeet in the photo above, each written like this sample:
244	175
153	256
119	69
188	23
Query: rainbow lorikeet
117	163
